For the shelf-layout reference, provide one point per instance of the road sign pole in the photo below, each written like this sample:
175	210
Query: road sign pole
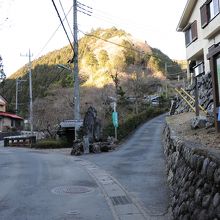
116	135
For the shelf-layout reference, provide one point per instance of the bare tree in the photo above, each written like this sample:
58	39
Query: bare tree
51	110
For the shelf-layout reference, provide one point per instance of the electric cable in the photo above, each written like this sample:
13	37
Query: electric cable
65	17
53	34
62	24
91	35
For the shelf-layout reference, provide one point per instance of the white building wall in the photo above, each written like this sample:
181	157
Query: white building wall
206	36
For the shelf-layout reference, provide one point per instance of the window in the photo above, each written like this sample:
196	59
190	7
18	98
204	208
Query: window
199	69
191	33
208	11
213	8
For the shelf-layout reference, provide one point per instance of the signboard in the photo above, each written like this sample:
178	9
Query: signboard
71	123
115	119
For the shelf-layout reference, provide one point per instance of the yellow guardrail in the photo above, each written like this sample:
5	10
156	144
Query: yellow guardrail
188	95
189	104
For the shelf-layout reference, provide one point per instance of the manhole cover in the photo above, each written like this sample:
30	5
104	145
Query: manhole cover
66	190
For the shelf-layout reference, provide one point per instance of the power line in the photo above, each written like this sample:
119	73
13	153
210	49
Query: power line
65	17
62	24
84	9
129	48
53	34
79	3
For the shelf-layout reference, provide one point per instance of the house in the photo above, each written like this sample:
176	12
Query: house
3	104
9	121
200	22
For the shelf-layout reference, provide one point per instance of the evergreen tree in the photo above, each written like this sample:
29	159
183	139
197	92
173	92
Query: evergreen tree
2	73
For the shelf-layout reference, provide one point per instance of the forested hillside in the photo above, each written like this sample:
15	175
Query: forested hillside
111	63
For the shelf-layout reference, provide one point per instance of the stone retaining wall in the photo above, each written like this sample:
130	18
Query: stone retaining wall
194	179
205	95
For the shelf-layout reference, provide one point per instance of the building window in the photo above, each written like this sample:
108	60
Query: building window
209	11
191	33
213	8
199	69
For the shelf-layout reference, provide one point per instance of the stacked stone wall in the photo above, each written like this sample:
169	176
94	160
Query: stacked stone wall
194	178
205	95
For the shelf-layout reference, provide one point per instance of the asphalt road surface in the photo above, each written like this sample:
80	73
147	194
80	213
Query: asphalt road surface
126	184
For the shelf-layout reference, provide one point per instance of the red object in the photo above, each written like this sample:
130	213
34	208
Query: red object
9	115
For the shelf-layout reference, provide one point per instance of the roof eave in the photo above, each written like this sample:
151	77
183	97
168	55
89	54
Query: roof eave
186	15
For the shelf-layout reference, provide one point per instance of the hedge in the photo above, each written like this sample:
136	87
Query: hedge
51	143
132	123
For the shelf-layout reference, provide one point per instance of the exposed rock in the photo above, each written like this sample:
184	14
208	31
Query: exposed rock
198	122
206	201
77	149
217	176
92	125
205	166
216	200
210	170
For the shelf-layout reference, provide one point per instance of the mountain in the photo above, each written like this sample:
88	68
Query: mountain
108	59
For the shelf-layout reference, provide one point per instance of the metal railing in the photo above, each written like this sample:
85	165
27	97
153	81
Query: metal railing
185	95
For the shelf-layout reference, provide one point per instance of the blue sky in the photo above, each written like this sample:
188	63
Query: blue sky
28	24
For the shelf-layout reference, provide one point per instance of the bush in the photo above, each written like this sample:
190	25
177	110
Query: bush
132	123
51	144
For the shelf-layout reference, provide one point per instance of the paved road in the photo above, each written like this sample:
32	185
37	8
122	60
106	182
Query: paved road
139	165
127	184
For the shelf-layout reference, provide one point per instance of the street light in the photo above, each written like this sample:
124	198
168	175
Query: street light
64	67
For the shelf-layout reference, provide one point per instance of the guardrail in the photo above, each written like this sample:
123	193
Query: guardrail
185	95
21	140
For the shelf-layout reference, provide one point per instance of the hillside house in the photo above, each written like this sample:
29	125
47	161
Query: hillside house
8	121
200	22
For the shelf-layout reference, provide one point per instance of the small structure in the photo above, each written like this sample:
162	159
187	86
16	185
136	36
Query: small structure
67	129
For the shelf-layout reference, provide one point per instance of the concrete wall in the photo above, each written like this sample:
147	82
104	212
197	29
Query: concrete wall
2	107
197	45
193	177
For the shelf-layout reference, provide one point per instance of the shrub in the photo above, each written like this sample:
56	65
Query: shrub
51	144
132	123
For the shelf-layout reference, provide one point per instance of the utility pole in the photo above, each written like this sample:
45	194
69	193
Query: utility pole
76	94
29	55
18	81
166	79
16	98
